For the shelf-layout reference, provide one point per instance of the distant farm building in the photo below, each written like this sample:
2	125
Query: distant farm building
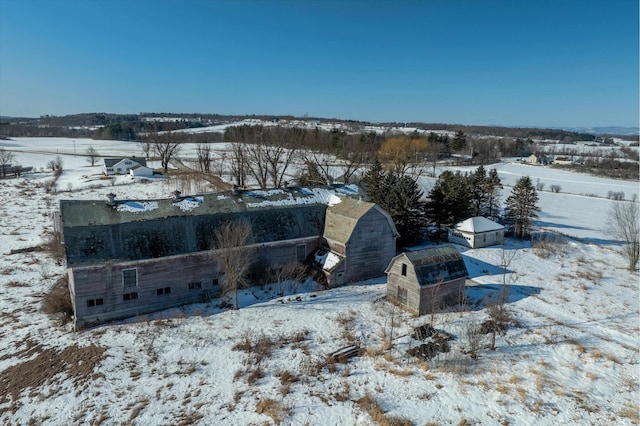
425	280
477	232
121	166
562	161
538	159
127	257
140	171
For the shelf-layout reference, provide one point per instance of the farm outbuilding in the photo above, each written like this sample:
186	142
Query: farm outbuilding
477	232
141	171
130	257
359	240
425	280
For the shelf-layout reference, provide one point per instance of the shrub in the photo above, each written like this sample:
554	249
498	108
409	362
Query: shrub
54	247
555	188
273	409
57	302
615	195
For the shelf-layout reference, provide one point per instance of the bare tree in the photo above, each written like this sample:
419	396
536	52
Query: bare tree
232	239
238	163
279	158
6	158
93	155
166	148
287	277
256	162
498	312
319	168
146	146
203	152
353	163
55	166
624	223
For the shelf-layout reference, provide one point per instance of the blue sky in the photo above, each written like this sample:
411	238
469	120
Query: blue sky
512	63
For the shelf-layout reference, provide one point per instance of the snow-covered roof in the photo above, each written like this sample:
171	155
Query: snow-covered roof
477	225
328	260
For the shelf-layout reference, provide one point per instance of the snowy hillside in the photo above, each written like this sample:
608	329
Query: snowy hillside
570	357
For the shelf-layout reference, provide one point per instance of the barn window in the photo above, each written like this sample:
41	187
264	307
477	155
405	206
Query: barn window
195	285
402	295
130	278
130	296
161	291
215	282
404	269
301	252
91	302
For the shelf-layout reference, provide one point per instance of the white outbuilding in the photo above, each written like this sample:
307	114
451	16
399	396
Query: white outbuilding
140	171
477	232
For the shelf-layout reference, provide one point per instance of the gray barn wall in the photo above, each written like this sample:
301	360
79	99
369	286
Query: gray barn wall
420	300
371	247
105	281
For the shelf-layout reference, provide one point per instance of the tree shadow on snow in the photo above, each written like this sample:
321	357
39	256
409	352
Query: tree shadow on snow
480	296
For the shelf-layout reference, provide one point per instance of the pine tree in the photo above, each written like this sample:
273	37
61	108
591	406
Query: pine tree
373	181
405	207
459	141
449	199
398	196
521	207
478	187
493	186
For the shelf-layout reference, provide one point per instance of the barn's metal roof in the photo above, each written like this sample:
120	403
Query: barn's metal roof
435	264
126	229
342	218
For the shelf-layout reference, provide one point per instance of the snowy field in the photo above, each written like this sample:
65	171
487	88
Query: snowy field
572	358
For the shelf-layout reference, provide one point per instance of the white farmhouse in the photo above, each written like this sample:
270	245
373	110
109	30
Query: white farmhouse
477	232
121	166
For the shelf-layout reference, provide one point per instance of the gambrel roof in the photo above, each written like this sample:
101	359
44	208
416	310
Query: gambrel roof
343	217
433	265
95	231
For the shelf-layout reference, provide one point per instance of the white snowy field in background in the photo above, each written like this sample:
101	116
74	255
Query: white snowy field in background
572	358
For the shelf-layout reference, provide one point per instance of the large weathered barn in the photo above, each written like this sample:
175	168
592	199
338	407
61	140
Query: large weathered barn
359	240
132	257
425	280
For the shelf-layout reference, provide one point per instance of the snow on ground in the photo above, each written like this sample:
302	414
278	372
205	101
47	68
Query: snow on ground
572	357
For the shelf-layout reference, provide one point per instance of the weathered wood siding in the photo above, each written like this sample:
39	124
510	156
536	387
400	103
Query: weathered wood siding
371	247
421	300
396	280
105	282
436	296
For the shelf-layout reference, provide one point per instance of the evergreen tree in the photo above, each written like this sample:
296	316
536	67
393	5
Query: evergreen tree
521	207
373	181
478	188
398	196
459	141
449	199
493	186
405	207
